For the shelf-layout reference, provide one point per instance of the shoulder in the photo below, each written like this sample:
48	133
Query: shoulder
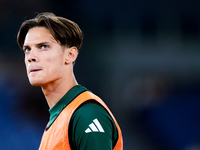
90	111
91	123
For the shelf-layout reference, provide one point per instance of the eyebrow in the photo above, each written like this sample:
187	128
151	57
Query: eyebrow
38	44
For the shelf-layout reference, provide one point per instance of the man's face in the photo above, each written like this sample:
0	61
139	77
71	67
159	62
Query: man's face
44	57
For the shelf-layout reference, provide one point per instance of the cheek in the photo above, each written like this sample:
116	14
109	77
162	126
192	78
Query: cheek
25	59
26	63
56	59
54	64
51	57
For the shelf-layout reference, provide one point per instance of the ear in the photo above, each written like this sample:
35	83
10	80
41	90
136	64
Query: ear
71	54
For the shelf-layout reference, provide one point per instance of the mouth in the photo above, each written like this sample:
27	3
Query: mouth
35	70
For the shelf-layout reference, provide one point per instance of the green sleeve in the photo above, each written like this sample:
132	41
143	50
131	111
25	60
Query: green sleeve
92	128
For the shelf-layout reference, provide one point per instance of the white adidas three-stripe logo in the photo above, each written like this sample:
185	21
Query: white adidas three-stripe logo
94	127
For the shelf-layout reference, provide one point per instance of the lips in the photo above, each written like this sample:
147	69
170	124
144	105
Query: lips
35	70
32	68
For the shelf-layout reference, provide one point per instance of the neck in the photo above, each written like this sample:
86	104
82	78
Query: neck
53	92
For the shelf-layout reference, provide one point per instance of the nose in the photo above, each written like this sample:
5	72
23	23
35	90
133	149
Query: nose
32	60
32	57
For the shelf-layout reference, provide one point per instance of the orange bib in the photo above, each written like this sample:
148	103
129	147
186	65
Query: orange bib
56	137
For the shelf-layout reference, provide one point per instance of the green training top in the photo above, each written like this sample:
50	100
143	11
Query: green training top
91	127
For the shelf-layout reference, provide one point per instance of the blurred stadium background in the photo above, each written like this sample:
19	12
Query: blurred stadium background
140	57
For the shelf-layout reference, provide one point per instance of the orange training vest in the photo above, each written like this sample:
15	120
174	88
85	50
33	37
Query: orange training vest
56	137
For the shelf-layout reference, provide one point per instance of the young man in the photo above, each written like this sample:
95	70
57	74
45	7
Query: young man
79	120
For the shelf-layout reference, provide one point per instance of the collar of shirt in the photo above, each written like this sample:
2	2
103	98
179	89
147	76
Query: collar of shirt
63	102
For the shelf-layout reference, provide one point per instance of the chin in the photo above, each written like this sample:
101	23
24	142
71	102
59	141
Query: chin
35	83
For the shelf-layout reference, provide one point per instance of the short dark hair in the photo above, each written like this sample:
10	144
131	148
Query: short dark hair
65	31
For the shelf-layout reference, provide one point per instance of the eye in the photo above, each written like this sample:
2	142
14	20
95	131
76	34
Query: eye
26	49
44	46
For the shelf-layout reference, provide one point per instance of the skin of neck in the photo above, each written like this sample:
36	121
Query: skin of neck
55	90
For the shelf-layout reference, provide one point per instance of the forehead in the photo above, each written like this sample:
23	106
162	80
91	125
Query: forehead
38	34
